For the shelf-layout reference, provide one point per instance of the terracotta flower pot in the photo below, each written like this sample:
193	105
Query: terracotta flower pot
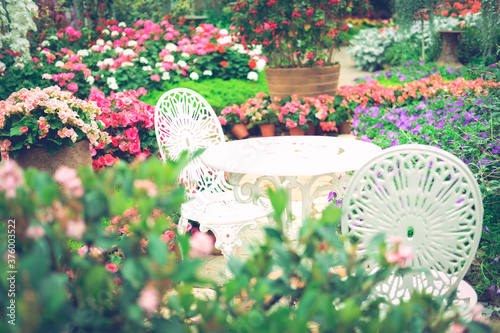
267	130
311	130
296	131
40	159
345	127
307	82
239	131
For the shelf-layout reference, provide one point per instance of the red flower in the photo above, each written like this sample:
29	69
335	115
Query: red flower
310	12
224	63
345	28
192	28
24	129
252	64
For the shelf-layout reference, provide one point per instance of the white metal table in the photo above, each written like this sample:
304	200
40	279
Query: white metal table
280	161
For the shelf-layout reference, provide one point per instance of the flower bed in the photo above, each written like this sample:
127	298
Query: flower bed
119	58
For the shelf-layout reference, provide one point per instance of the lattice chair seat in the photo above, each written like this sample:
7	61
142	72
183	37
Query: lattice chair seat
428	197
185	121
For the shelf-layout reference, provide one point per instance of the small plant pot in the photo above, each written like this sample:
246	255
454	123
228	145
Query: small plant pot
267	130
311	130
296	131
239	131
345	127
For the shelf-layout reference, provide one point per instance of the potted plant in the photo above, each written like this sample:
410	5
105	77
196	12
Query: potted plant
293	114
236	119
299	38
337	116
261	115
39	127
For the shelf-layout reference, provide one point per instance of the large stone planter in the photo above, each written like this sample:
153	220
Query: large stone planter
39	158
306	82
449	54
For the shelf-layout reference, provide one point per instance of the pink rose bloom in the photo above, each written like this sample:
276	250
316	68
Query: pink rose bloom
35	232
201	245
148	300
12	177
111	268
75	229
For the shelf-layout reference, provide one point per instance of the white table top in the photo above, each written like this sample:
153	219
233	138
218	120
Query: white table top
290	155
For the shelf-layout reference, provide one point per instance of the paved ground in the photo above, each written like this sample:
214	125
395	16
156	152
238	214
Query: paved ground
348	71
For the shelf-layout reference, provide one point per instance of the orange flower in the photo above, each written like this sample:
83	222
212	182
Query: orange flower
224	63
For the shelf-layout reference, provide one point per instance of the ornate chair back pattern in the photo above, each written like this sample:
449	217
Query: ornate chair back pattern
185	121
428	197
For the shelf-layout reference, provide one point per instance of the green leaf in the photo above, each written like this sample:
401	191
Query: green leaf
157	248
45	187
53	293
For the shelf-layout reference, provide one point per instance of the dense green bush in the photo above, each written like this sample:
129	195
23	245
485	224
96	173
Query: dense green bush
219	93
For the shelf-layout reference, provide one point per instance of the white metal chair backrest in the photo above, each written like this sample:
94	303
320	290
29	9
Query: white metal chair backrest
428	197
185	121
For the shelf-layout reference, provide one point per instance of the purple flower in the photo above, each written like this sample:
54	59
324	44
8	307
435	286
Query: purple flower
421	63
492	290
421	106
496	260
365	138
402	78
484	161
382	132
410	62
449	69
331	195
486	229
417	129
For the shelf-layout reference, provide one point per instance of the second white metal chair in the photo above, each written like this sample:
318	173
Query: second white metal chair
430	199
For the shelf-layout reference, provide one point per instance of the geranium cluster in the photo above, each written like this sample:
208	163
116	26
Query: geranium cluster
47	118
459	9
120	56
130	125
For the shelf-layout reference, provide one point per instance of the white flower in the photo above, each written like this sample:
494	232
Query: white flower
53	37
223	32
143	60
111	81
132	43
108	62
165	76
199	30
224	40
253	76
185	55
171	47
169	58
105	31
106	48
83	53
207	73
261	64
99	42
122	24
118	49
90	79
44	52
47	76
112	70
59	63
127	64
147	68
128	52
181	63
45	43
194	76
2	66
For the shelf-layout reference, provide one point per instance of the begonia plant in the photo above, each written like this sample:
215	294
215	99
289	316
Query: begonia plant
295	33
48	118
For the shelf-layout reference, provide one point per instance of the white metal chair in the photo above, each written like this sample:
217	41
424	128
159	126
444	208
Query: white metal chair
185	121
430	198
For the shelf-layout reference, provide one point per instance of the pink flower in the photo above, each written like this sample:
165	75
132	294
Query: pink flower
222	120
111	268
12	177
201	245
72	86
35	232
148	300
75	229
70	181
81	251
155	77
24	129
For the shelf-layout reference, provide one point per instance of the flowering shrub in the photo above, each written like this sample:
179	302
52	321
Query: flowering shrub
464	125
121	56
126	278
259	112
48	118
129	123
294	33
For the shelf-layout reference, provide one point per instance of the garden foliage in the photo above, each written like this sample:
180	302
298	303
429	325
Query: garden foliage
128	276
